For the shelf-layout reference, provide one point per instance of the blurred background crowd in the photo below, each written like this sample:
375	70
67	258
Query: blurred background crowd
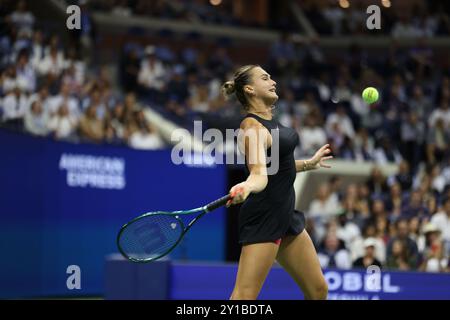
55	89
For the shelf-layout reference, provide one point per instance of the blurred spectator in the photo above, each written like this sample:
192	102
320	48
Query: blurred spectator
434	257
14	106
92	129
402	251
404	28
23	19
64	97
443	112
412	137
333	254
129	69
143	135
437	141
377	184
387	152
369	258
36	120
342	120
347	230
152	75
312	135
324	205
199	98
52	64
177	85
25	74
62	124
442	222
395	201
398	258
37	49
403	177
415	206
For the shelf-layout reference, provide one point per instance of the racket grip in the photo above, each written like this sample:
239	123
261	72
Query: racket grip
217	203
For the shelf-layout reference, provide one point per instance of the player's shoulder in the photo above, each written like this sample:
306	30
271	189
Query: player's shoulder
250	122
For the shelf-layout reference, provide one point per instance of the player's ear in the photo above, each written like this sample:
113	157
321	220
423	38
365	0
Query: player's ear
249	90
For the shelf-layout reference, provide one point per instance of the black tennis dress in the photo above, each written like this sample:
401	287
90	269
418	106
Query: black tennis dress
269	215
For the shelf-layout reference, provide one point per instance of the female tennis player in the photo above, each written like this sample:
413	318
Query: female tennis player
269	226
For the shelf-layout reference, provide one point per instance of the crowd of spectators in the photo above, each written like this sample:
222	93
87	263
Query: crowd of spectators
193	11
399	19
47	91
400	222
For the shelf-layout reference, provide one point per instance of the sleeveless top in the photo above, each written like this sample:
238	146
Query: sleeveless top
268	215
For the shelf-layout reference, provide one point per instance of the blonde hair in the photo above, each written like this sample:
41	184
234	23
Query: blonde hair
242	77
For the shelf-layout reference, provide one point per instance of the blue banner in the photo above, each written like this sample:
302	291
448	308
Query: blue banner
194	281
62	204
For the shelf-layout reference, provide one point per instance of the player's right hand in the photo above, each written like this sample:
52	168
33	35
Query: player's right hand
239	193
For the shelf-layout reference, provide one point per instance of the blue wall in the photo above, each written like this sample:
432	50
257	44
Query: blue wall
47	223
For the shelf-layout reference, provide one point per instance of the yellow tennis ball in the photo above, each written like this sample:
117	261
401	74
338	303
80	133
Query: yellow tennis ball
370	95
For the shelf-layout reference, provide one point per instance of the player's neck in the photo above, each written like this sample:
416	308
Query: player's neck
261	110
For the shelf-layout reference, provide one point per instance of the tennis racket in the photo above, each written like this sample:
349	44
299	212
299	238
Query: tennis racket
155	234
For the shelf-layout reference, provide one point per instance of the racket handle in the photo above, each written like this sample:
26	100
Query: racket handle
217	203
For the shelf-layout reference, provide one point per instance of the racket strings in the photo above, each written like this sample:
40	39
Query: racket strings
150	237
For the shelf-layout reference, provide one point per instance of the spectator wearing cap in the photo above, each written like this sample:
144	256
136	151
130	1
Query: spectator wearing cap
369	230
152	75
434	258
369	257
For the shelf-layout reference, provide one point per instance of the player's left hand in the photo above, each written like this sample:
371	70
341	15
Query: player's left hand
319	158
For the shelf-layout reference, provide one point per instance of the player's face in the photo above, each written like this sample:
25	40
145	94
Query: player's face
263	86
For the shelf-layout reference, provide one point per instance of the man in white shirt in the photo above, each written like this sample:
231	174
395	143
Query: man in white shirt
22	18
152	73
442	221
311	135
342	120
443	112
36	120
63	124
64	97
14	105
25	73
